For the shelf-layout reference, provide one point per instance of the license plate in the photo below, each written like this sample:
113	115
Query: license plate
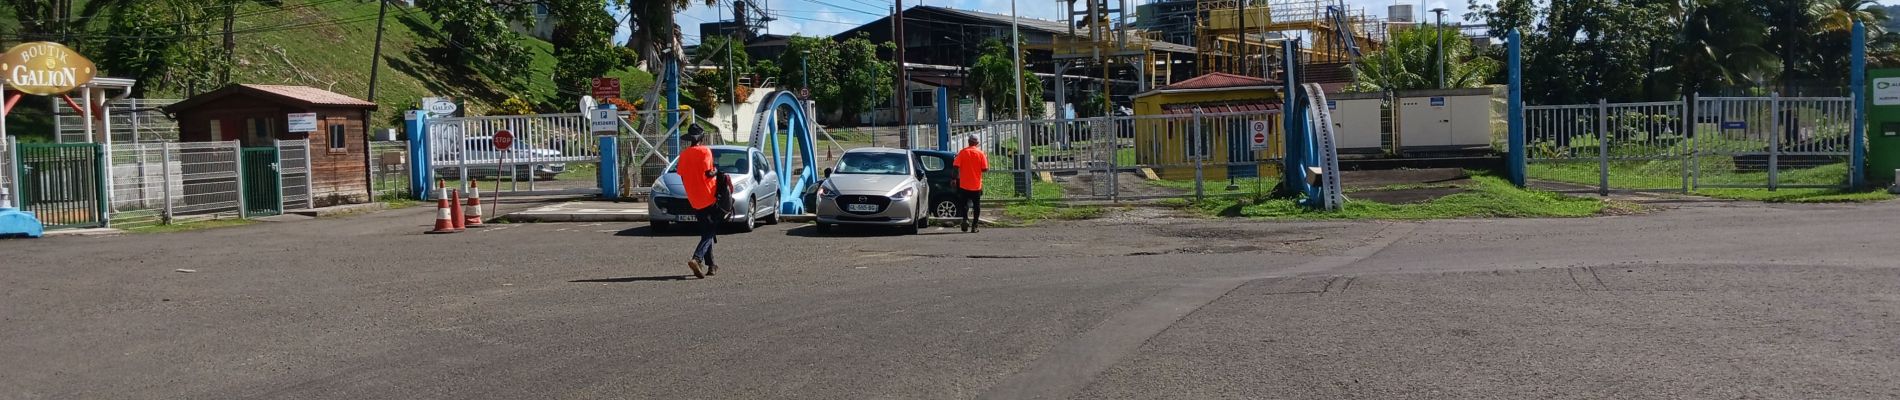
861	207
688	218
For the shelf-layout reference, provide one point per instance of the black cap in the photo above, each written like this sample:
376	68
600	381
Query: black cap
694	133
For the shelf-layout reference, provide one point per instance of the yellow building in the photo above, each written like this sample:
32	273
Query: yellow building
1230	107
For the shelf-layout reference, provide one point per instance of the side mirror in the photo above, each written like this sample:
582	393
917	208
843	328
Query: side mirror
825	174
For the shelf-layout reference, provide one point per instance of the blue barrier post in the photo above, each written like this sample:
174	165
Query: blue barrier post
943	118
608	172
1516	166
420	173
1857	163
1292	170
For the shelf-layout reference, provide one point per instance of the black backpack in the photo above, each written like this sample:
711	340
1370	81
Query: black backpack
722	192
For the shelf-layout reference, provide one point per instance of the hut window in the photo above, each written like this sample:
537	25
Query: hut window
338	141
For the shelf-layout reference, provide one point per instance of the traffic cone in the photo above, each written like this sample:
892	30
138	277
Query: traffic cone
444	218
455	210
474	208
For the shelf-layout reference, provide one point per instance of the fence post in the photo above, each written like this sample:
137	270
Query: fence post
1688	128
310	175
165	167
419	170
1774	141
1857	159
1029	159
237	164
1195	151
1515	119
1603	148
102	160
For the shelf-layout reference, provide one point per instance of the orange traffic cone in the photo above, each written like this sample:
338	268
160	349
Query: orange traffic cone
455	210
474	208
444	218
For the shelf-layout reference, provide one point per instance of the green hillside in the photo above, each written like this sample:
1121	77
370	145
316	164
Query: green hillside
329	44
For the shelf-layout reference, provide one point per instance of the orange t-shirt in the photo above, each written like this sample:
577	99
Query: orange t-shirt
971	164
694	162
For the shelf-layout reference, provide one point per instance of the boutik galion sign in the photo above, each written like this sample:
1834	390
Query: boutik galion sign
45	68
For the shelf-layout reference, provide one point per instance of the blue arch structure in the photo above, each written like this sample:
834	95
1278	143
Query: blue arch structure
801	132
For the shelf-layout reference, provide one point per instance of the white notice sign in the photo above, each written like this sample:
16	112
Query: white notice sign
603	121
302	122
1887	91
1257	136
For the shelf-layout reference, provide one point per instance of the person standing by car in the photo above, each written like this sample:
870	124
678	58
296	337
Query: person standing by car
699	177
971	164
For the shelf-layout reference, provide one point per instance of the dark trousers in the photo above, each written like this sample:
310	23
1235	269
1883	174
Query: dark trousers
709	220
971	204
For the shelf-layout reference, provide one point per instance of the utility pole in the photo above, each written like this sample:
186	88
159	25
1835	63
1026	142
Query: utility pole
1241	54
903	84
732	71
1015	46
376	57
230	42
1441	46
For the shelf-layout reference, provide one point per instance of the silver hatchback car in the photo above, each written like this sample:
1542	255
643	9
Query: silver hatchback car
755	188
874	186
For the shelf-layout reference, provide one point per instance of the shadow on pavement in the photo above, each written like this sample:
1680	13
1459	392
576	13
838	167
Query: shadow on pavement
850	231
630	279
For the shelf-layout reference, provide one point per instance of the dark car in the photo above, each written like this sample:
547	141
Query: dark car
941	170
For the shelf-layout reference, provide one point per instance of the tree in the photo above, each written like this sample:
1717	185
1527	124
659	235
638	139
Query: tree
732	60
865	81
1409	62
991	75
165	44
583	44
478	33
656	35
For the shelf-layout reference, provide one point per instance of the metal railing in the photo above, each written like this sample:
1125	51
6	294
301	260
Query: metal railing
538	139
6	172
1747	142
162	182
389	169
133	121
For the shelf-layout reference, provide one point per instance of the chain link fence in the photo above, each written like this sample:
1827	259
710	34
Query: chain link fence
389	169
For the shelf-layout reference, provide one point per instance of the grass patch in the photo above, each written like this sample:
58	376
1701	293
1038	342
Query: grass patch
586	172
1032	212
1257	187
1667	175
191	226
1487	197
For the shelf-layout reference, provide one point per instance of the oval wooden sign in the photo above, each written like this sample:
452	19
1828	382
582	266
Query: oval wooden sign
45	68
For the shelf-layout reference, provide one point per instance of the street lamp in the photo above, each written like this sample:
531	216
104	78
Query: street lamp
1441	46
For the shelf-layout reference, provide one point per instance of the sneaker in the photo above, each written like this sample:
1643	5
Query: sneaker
965	225
712	269
694	264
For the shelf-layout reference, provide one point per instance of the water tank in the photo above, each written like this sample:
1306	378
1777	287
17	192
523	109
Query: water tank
1401	13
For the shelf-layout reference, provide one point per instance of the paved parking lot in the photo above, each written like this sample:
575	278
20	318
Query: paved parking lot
1709	302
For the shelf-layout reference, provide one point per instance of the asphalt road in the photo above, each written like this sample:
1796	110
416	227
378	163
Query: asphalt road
1724	301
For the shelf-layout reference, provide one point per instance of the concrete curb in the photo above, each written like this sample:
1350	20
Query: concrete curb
84	232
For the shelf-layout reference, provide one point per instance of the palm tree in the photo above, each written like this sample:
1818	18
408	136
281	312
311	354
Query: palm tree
1840	16
1410	61
656	35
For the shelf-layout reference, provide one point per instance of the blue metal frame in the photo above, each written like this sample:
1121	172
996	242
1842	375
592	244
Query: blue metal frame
943	119
420	173
791	188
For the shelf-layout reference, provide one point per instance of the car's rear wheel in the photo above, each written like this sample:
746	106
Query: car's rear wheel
945	210
772	219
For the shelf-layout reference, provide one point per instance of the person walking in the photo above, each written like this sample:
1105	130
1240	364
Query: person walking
971	163
700	178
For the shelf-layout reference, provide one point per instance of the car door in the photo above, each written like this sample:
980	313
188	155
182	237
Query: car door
940	173
764	178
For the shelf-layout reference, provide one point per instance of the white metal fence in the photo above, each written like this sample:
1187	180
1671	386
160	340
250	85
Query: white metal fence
293	173
160	182
1714	142
538	139
6	172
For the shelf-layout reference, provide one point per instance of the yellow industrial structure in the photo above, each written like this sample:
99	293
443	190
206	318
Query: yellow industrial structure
1165	134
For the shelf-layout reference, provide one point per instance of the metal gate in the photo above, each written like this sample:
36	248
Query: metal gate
294	172
1733	142
62	184
262	183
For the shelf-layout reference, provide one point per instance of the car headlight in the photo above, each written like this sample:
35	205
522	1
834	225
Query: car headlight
827	191
660	190
903	194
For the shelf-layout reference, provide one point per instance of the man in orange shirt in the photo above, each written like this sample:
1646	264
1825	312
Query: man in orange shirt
697	174
971	164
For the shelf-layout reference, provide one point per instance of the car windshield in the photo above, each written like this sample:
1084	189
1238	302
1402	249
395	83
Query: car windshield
727	160
874	164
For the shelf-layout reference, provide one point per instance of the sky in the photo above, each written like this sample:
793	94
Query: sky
827	17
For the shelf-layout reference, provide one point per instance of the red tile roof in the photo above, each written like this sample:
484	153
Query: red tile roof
1220	80
310	95
304	96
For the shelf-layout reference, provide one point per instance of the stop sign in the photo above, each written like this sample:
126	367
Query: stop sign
504	139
